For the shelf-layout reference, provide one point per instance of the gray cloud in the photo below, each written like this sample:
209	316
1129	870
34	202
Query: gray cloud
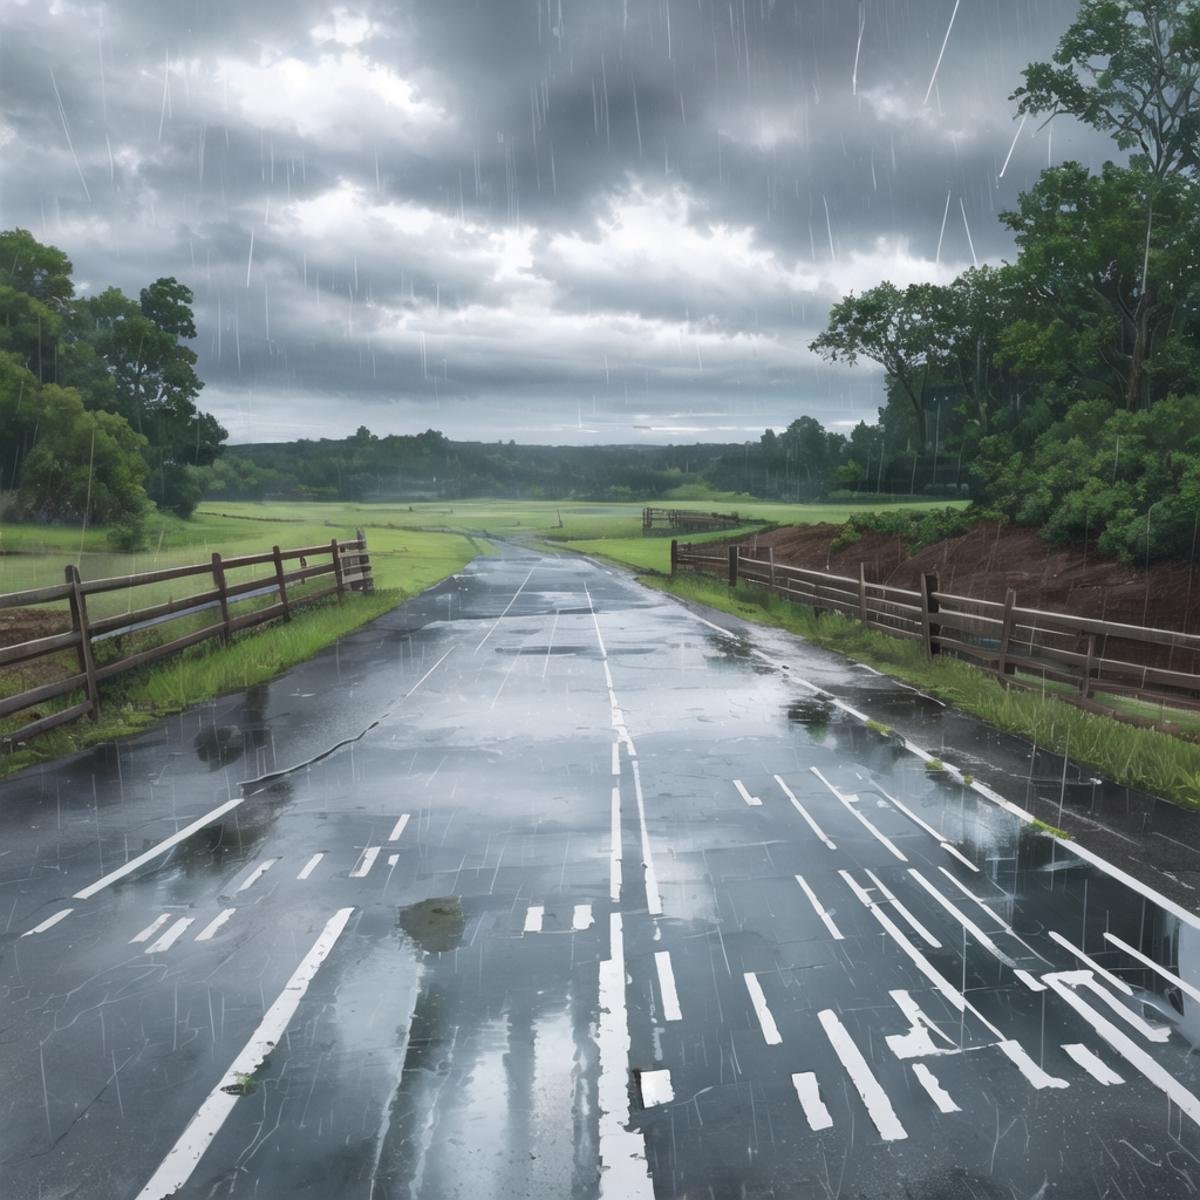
617	220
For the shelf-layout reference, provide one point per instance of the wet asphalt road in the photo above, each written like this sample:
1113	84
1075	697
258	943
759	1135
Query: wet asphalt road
542	886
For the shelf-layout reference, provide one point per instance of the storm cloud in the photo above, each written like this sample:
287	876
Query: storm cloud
550	220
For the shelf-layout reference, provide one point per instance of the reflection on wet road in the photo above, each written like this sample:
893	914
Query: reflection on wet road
542	886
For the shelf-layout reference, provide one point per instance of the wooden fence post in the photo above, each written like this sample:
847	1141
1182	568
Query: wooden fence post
674	556
364	563
1085	684
79	622
771	566
218	572
862	591
337	569
281	583
1006	629
929	607
733	566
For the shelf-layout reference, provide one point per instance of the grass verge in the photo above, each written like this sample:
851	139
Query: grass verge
1126	754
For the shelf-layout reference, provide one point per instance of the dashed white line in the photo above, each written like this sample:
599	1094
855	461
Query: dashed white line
666	985
753	801
938	1094
582	917
787	791
809	1094
207	933
616	758
656	1088
848	803
398	828
819	910
151	929
258	872
310	866
614	863
176	1169
879	1107
1119	984
366	862
533	918
173	934
962	918
1095	1066
1182	984
155	851
770	1030
1033	984
912	921
49	922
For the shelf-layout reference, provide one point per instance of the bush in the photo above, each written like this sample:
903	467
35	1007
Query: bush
914	529
130	534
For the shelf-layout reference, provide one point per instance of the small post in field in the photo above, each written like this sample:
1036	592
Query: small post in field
1006	630
674	555
79	622
733	566
929	608
281	583
862	591
218	572
338	578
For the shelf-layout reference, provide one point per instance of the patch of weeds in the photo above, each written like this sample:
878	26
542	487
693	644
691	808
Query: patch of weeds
968	780
935	766
1042	827
242	1085
880	728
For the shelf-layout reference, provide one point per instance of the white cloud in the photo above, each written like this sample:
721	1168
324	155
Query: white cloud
344	26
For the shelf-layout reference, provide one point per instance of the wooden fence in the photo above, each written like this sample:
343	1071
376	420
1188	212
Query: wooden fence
1087	655
686	520
348	565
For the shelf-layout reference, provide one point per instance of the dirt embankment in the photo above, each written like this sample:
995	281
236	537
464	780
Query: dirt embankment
991	558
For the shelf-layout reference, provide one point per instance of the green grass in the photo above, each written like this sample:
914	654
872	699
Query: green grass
1126	754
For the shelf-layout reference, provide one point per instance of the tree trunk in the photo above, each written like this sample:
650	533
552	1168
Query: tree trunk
1142	338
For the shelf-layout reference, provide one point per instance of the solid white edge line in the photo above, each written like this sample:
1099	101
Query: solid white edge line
206	934
182	1159
766	1021
154	851
1095	1066
938	1094
173	934
809	1094
787	791
666	985
366	861
49	922
753	801
1119	984
879	1107
962	858
819	910
1182	984
310	866
398	828
1142	889
146	934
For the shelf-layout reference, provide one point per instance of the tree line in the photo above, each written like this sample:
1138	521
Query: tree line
97	396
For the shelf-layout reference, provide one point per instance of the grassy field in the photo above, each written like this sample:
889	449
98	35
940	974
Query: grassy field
1142	758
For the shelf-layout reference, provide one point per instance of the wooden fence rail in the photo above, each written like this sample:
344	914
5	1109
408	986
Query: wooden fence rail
348	568
688	520
1086	654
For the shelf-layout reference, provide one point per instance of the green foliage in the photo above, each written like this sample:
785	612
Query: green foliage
914	529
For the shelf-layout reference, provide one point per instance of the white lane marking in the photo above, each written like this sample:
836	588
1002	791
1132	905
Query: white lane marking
1034	985
492	628
913	923
181	1160
1182	984
753	801
614	863
656	1088
809	1094
582	917
173	934
1187	1102
879	1107
393	859
847	801
596	623
653	899
770	1030
1038	1078
366	862
666	985
310	866
962	918
150	929
938	1094
1177	910
398	828
533	918
1119	984
1095	1066
206	934
49	922
624	1174
1008	929
918	1041
787	791
962	858
616	758
155	851
819	910
258	872
1078	979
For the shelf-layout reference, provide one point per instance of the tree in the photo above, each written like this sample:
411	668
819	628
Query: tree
1130	68
43	272
893	328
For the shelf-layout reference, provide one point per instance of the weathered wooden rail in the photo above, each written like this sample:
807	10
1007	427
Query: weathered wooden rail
686	520
348	568
1086	654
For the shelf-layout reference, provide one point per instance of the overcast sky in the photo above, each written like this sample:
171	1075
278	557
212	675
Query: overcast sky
550	220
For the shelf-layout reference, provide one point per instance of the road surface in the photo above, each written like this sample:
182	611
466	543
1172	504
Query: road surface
544	886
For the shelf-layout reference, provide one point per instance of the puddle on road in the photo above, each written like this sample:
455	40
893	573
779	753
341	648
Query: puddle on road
435	925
